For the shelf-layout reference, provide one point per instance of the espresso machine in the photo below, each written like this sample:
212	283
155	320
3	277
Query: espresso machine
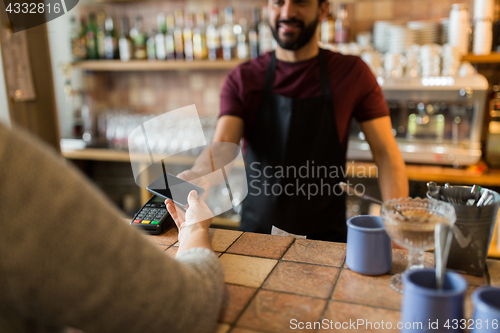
435	120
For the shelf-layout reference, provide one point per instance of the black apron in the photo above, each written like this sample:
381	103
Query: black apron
288	134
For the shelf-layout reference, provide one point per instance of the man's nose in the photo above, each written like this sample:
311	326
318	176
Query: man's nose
288	10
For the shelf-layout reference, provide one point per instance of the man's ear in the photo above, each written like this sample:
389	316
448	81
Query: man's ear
324	9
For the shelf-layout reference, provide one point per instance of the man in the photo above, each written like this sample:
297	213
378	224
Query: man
293	109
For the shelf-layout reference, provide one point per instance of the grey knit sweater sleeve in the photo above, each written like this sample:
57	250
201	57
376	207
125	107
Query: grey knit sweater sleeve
67	258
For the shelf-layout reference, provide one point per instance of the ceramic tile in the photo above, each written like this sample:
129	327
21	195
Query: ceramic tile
166	239
222	239
363	10
401	9
302	279
316	252
475	280
344	313
468	306
172	251
237	299
273	311
261	245
419	9
383	10
223	328
494	271
246	271
367	290
243	330
440	8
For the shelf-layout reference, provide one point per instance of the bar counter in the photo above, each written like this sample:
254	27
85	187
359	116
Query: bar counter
275	282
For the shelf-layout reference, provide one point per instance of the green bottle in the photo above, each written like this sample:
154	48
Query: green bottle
150	45
101	49
92	38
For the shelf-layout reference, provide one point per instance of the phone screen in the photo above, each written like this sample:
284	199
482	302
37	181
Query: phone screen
174	188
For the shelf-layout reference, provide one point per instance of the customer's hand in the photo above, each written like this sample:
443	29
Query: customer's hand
196	179
197	216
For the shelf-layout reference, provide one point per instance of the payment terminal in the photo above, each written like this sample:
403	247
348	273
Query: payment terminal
153	217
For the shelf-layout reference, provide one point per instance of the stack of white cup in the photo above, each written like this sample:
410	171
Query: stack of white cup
451	60
413	68
483	26
458	27
430	59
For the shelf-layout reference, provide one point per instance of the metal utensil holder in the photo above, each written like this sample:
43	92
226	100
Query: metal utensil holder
473	229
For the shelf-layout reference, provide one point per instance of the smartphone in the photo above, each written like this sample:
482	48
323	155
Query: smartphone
171	187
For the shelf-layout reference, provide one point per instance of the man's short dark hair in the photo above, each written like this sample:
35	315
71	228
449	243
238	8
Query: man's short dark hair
321	1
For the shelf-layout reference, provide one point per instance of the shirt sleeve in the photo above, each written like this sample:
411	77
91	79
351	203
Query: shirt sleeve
371	102
69	259
231	103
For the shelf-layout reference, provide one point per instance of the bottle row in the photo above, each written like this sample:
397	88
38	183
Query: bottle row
177	36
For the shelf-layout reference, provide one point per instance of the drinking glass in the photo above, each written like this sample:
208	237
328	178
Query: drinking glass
410	223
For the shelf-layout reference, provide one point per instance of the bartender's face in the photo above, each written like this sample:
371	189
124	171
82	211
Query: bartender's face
294	22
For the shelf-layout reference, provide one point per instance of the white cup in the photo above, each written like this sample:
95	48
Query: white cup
483	37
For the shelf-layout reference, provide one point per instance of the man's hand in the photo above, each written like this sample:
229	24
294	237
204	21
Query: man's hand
200	181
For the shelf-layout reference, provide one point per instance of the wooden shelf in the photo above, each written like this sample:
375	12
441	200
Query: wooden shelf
423	173
157	65
111	155
491	58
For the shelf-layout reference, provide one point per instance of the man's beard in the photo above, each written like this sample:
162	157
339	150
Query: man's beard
305	35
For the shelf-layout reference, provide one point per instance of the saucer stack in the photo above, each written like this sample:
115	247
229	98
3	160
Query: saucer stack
444	27
400	38
426	32
381	35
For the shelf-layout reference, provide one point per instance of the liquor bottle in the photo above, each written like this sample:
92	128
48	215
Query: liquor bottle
199	40
179	34
161	52
150	45
101	49
265	34
83	38
213	36
228	38
125	42
342	27
328	28
240	30
169	38
92	38
187	34
78	49
139	39
110	40
253	34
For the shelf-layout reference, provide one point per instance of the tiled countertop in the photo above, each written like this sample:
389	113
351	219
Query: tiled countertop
273	279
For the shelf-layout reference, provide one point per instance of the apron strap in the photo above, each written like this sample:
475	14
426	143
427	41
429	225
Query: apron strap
323	72
268	85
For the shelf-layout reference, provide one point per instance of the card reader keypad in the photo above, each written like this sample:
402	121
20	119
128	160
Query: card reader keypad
151	213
